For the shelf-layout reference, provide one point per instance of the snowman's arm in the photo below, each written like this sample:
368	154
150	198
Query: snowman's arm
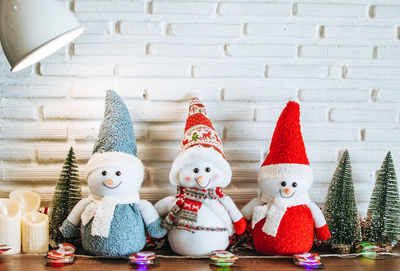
238	221
321	228
247	210
319	219
164	205
151	219
70	225
230	206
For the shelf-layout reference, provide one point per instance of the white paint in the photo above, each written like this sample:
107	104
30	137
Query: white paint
244	59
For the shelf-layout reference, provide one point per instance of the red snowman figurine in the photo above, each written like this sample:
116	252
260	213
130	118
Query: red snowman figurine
284	219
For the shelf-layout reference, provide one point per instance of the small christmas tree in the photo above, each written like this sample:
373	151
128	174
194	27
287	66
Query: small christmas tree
67	194
383	218
340	208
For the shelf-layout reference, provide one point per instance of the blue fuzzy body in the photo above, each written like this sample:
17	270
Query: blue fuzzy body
126	236
127	233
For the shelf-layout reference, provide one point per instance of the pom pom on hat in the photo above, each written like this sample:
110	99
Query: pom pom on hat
200	142
116	143
287	156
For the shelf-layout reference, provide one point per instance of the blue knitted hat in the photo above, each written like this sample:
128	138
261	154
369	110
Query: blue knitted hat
116	131
116	143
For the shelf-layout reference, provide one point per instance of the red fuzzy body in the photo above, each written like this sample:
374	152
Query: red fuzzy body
295	233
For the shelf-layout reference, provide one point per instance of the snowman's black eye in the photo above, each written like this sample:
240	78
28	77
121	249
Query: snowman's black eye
208	169
294	184
118	173
196	170
104	173
283	183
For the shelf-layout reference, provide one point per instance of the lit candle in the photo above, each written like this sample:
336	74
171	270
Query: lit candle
10	225
35	232
29	201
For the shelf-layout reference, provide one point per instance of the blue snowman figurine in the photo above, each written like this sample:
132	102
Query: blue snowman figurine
113	218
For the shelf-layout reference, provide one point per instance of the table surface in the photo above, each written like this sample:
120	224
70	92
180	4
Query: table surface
37	263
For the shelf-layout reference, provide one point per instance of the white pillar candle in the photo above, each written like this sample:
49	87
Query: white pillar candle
29	201
10	225
35	232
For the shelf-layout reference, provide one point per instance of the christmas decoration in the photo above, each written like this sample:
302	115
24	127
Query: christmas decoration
200	217
370	250
10	225
4	248
223	258
113	218
65	254
67	195
284	219
35	233
308	261
383	217
340	208
142	258
29	201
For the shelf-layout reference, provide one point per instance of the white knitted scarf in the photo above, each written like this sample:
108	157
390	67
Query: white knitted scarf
101	209
274	209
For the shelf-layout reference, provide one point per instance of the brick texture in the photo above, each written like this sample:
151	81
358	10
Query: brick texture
244	59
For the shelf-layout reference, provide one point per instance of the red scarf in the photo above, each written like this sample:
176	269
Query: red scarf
183	215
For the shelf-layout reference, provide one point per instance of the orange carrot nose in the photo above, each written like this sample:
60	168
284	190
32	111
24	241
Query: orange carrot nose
287	191
110	182
200	179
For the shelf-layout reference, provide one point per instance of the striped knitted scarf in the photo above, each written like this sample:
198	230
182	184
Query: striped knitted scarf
183	215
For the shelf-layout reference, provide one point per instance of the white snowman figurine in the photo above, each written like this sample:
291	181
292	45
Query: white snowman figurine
284	219
200	218
113	218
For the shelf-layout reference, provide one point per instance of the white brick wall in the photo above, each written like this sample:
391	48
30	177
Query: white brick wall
245	59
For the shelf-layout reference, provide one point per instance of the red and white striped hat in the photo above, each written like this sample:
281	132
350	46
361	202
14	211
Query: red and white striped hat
287	158
200	142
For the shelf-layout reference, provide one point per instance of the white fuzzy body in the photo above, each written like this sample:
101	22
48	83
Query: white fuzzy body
212	214
203	169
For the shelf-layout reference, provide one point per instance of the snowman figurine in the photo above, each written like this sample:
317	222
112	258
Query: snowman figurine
200	218
113	218
284	219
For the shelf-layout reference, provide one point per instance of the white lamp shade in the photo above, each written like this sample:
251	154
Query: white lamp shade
30	30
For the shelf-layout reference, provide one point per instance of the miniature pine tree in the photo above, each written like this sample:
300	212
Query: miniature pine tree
67	194
383	217
340	208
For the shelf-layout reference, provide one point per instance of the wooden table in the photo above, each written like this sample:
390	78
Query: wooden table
37	263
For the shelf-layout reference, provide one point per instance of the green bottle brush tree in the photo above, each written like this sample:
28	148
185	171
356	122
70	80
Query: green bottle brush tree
340	208
382	224
67	194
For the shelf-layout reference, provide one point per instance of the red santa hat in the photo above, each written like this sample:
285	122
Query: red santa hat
287	158
200	142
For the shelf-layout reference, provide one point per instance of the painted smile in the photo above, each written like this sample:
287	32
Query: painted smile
209	180
280	192
112	187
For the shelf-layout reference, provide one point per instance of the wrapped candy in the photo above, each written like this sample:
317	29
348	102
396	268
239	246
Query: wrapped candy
370	250
308	260
65	254
223	258
4	248
143	257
